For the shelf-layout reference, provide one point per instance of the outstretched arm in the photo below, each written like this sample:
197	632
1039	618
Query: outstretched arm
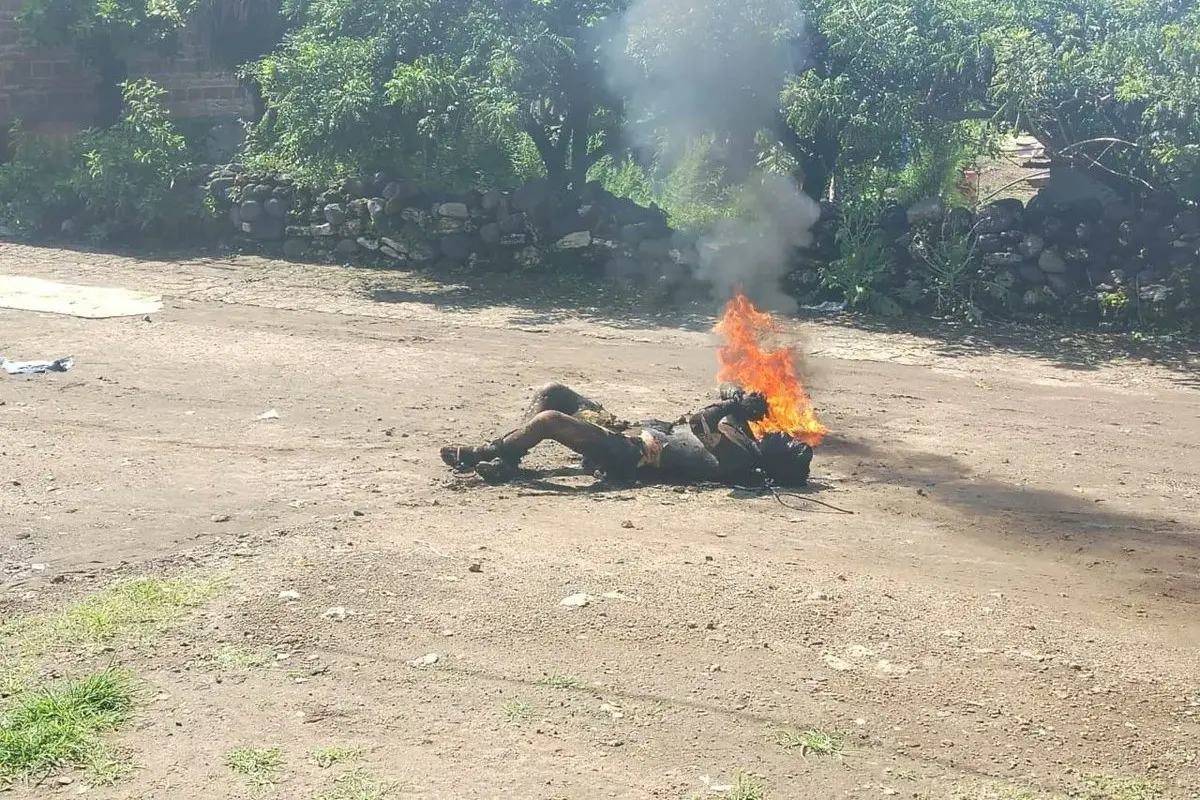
735	404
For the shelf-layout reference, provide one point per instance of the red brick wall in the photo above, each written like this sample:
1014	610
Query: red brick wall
53	92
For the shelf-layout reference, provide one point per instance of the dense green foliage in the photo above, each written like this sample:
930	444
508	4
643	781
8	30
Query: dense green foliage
1113	85
132	179
490	91
462	92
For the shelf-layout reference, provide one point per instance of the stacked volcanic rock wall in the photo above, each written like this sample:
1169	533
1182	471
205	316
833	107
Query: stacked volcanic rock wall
1080	258
400	223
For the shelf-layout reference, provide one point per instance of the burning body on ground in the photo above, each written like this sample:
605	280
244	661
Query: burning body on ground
761	430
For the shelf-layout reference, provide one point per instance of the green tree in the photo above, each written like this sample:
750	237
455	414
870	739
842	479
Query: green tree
431	86
1111	87
884	80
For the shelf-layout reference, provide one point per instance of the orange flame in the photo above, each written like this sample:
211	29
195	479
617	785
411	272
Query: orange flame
773	372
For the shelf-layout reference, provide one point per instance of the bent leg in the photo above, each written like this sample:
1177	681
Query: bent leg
618	456
584	438
590	441
561	398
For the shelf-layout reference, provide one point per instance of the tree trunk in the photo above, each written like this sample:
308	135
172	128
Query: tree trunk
817	155
552	156
112	71
257	103
822	163
577	125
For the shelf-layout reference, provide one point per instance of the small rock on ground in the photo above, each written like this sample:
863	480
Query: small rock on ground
578	600
427	660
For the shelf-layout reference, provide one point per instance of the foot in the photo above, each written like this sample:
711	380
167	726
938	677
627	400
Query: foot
495	470
461	456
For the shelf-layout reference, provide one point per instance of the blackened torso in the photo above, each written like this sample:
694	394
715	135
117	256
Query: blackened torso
687	456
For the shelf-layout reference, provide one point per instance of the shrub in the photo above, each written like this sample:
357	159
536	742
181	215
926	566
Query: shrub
865	261
130	181
37	183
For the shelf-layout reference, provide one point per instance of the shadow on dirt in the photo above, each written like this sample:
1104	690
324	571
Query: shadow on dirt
581	483
1164	551
549	298
552	296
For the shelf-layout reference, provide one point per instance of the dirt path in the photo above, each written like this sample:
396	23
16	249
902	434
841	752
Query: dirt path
1013	604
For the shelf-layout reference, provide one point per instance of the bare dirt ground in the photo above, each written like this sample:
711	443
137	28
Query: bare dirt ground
1013	606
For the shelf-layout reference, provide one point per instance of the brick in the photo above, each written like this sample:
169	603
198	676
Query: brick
54	84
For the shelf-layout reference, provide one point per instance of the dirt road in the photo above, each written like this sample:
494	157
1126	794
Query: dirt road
1013	607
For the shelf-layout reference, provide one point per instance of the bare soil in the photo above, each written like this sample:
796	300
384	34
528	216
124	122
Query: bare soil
1013	604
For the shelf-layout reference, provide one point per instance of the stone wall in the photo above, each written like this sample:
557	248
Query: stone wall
1077	258
54	93
398	223
1068	256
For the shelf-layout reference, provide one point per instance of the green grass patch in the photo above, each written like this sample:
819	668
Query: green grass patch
326	757
517	710
16	675
57	727
557	680
239	659
1094	787
126	607
810	742
1100	787
744	787
258	766
747	787
361	785
104	767
998	793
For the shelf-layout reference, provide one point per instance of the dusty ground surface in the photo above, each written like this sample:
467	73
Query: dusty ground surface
1014	602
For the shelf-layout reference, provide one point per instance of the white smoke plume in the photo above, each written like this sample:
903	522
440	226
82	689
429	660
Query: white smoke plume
689	68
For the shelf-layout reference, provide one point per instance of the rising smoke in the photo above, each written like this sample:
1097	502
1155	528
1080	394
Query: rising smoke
690	68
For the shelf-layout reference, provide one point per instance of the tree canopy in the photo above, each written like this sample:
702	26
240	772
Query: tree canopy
479	92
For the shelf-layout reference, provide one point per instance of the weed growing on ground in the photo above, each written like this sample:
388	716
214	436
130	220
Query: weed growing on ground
133	606
998	793
810	742
105	767
517	710
326	757
744	787
557	680
747	787
1101	787
15	674
258	766
56	727
239	659
361	785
